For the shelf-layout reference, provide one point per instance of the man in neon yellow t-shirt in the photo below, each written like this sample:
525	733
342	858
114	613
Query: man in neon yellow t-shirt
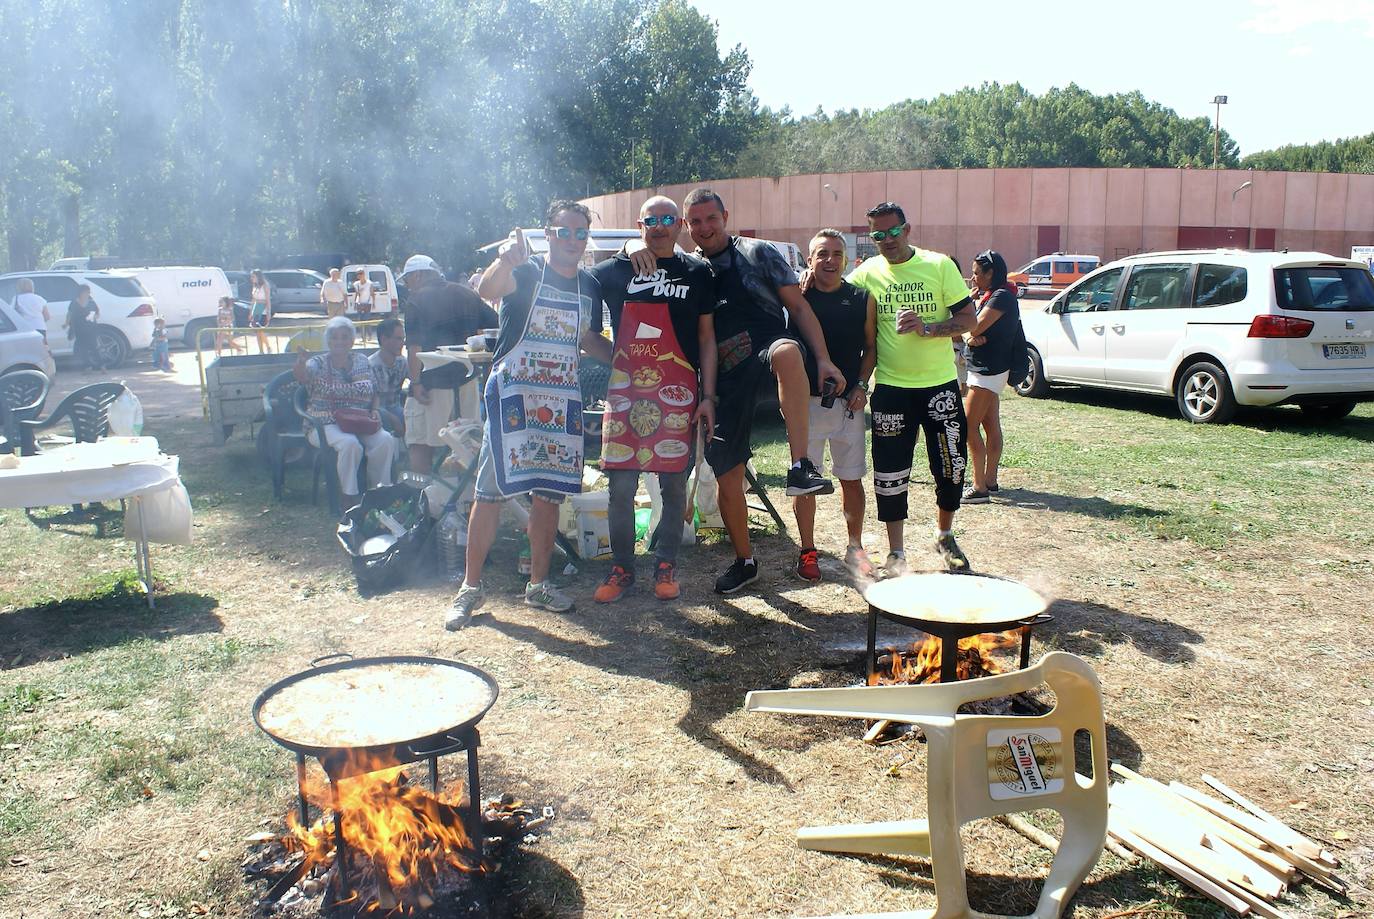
922	302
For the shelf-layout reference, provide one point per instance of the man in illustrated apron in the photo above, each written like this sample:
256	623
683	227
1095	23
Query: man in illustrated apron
662	321
550	312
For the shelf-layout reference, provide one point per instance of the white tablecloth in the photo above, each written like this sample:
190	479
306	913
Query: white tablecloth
451	354
111	469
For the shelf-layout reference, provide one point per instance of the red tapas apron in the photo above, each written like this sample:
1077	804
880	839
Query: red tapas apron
651	396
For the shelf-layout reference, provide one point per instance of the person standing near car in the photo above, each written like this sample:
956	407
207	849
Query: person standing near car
334	295
921	302
438	312
261	315
993	345
82	315
32	309
662	322
847	317
364	299
533	439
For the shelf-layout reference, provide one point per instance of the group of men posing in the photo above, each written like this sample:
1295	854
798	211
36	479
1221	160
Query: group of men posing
693	338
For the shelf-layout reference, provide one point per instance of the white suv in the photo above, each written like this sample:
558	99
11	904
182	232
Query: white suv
1214	329
126	309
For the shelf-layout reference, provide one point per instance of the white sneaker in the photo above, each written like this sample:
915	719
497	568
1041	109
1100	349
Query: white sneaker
547	596
465	606
895	566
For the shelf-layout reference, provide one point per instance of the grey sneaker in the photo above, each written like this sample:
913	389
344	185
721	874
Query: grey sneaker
895	566
955	559
465	606
547	596
858	563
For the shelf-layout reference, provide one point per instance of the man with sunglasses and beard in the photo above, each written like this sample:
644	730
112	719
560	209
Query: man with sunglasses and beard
533	442
922	302
662	322
761	320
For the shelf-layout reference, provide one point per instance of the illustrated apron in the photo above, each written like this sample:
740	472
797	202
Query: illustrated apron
534	402
651	396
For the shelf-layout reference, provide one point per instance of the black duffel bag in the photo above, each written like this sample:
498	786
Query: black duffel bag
388	536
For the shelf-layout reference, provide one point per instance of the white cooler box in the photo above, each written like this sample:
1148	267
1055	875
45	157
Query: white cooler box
592	522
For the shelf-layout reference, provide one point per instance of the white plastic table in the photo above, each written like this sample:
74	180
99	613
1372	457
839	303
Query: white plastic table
112	469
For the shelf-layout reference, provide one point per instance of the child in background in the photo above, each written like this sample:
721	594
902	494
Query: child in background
225	321
162	358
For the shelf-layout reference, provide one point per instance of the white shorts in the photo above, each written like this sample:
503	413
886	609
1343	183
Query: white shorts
845	432
423	422
995	382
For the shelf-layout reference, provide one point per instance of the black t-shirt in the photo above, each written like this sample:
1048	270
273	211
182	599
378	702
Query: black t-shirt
1003	336
684	282
749	273
445	314
841	313
515	306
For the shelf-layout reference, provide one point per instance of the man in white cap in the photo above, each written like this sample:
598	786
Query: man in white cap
438	312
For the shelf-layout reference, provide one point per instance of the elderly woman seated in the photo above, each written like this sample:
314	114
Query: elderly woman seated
343	397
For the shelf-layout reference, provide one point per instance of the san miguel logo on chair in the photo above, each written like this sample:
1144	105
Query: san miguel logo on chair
1023	764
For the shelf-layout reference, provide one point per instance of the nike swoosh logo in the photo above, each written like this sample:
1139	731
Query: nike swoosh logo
637	286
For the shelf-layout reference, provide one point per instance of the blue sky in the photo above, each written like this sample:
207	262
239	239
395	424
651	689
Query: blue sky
1295	71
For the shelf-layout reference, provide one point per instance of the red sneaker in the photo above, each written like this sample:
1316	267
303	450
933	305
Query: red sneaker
665	582
808	565
615	585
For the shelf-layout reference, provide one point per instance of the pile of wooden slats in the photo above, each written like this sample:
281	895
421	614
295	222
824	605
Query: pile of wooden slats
1241	856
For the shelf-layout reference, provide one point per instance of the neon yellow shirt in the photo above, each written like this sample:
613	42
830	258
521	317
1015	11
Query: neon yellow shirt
929	283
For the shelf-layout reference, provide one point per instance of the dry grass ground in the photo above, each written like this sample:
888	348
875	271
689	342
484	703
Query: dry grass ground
1217	579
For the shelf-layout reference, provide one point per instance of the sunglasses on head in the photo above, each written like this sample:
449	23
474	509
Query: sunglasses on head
879	235
565	233
666	220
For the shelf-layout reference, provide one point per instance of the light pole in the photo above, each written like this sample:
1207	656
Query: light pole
1218	101
828	187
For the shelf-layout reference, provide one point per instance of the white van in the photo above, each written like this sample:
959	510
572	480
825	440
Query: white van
187	298
382	280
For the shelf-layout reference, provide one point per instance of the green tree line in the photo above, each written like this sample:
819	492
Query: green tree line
228	130
988	126
1350	154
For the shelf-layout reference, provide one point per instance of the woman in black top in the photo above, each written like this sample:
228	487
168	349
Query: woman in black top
81	318
992	350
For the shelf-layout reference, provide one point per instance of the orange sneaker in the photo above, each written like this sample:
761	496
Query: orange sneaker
665	582
615	585
808	565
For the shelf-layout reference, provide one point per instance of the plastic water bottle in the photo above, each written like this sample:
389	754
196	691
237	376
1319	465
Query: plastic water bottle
524	554
453	539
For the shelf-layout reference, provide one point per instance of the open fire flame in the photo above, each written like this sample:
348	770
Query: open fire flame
921	662
403	833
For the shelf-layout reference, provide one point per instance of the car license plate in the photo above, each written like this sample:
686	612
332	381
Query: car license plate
1344	352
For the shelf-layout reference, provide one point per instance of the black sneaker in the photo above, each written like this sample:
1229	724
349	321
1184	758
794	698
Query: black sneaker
803	479
955	559
736	576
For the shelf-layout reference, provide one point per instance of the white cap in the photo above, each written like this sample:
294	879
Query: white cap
419	263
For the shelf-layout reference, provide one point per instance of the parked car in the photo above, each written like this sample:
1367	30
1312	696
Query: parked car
1051	273
1214	329
187	298
242	284
126	309
295	290
21	350
382	279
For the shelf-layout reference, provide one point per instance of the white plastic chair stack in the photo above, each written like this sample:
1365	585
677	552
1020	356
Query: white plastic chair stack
979	766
